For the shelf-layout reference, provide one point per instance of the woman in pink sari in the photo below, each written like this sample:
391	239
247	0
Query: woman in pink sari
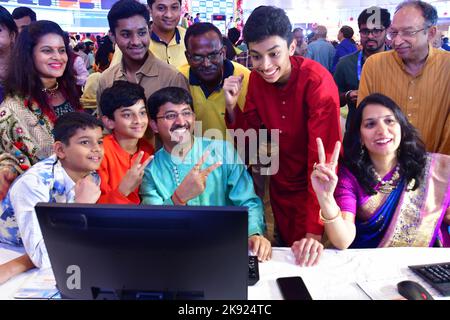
390	192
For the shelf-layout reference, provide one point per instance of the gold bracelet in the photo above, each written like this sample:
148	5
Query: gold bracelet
325	220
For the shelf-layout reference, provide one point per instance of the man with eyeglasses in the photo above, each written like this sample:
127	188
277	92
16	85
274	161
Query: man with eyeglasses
198	171
415	75
207	69
372	23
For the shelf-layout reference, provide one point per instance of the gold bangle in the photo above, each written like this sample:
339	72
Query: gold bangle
325	220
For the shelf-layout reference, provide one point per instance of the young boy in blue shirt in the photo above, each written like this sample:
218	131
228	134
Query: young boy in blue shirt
67	176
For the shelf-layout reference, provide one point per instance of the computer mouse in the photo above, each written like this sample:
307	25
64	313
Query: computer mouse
412	290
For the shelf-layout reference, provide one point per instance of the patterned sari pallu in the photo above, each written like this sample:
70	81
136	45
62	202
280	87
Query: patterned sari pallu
408	218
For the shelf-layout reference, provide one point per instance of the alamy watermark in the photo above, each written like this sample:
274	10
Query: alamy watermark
255	147
373	21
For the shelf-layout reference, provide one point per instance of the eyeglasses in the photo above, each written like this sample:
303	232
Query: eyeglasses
212	57
170	116
376	32
405	34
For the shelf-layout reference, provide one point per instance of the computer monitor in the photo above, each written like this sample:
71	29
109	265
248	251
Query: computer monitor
146	252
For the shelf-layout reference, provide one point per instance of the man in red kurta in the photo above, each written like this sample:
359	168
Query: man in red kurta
298	97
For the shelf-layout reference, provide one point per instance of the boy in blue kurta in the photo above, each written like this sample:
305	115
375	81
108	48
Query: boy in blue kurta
198	171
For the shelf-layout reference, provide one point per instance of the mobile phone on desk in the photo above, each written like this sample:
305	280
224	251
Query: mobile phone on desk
293	288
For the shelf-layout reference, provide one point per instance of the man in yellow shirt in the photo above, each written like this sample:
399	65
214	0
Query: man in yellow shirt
206	72
167	38
415	75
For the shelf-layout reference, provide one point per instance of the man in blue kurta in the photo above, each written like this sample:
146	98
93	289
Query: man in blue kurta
198	171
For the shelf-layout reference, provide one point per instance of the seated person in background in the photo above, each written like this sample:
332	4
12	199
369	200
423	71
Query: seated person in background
391	192
182	174
126	152
67	176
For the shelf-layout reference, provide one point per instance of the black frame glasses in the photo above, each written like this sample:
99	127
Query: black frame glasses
408	34
376	32
212	57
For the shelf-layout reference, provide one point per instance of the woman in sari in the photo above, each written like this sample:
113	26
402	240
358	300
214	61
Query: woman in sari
40	87
390	192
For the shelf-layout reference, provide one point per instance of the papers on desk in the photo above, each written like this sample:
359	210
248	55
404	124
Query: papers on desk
40	285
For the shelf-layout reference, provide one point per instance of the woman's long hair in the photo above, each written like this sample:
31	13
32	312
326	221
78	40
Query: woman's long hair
23	77
411	154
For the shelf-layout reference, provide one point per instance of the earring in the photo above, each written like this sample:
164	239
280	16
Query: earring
362	151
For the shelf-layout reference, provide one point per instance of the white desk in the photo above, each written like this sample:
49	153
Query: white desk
337	274
335	277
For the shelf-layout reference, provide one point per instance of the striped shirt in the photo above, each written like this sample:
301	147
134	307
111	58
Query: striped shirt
424	98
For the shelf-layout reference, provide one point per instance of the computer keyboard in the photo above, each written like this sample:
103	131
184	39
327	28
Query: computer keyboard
253	270
437	275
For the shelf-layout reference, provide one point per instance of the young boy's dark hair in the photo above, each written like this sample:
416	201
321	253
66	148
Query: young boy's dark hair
267	21
123	9
67	125
121	94
174	95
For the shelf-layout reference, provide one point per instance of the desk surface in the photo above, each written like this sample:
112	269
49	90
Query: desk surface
338	273
335	277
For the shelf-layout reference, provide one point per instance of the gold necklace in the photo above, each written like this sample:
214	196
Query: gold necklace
389	185
51	91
